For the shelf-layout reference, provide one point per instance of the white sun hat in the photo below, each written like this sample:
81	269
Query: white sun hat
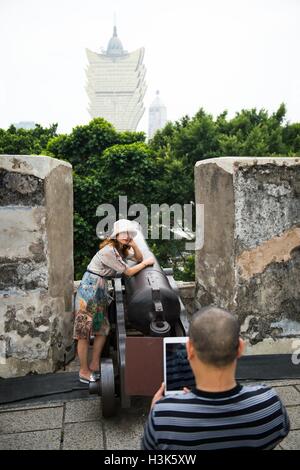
123	225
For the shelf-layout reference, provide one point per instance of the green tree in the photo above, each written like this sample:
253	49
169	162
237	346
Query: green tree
84	146
254	133
291	139
26	141
133	170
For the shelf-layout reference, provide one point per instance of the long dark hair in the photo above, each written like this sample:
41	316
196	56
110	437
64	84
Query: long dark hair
122	249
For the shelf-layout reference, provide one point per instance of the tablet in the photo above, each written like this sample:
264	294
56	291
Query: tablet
177	370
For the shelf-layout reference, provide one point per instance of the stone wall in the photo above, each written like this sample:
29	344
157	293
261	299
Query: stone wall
187	295
250	261
36	260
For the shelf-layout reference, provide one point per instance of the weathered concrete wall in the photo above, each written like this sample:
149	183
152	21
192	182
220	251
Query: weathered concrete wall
187	295
250	261
36	259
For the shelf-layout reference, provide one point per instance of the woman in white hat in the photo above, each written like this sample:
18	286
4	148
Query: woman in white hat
91	299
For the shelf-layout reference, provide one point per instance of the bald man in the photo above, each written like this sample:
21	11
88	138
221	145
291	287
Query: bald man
218	413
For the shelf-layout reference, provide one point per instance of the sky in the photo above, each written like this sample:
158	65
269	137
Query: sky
215	54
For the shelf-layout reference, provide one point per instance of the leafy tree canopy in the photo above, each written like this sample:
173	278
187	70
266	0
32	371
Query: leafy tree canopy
26	141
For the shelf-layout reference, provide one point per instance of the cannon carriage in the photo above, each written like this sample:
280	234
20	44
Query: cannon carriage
145	308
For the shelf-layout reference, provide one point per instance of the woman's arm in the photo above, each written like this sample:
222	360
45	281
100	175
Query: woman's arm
138	267
137	252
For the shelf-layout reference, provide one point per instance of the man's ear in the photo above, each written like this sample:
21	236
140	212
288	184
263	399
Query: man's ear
190	349
241	348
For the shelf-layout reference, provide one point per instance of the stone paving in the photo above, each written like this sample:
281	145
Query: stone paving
78	424
72	424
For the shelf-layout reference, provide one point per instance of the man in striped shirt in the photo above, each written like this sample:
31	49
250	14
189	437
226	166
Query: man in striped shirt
218	413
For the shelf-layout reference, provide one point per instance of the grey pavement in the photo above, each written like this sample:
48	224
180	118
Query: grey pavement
78	424
72	424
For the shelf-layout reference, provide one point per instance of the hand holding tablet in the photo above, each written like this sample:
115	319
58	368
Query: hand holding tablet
178	375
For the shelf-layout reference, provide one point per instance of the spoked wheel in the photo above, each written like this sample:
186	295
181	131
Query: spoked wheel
107	387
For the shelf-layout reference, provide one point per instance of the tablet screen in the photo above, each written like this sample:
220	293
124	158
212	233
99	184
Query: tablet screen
178	373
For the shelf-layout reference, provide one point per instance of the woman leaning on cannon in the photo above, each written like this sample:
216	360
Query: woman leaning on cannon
91	300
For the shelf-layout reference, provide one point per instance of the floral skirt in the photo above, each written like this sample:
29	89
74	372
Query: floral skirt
91	307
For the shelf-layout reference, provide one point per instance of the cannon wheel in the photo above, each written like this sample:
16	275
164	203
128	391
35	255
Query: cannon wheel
107	387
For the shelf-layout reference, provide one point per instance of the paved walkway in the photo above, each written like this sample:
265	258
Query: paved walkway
78	424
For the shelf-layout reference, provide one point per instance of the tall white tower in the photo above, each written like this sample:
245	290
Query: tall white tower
116	85
157	115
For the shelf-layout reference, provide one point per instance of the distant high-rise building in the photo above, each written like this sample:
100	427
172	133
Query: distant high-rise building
25	125
157	115
116	85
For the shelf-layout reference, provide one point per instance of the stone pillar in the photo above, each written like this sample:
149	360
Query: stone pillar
36	264
187	294
250	261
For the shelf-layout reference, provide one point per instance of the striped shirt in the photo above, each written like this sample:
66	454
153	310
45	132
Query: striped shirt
243	417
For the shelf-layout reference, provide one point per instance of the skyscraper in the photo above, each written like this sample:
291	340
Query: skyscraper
157	115
25	125
116	84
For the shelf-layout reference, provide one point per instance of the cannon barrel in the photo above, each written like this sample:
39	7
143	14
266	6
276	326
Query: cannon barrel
153	307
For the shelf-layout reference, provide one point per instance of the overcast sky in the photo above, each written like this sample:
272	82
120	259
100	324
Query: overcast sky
215	54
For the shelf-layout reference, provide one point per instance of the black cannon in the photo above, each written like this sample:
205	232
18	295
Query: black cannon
153	307
146	308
